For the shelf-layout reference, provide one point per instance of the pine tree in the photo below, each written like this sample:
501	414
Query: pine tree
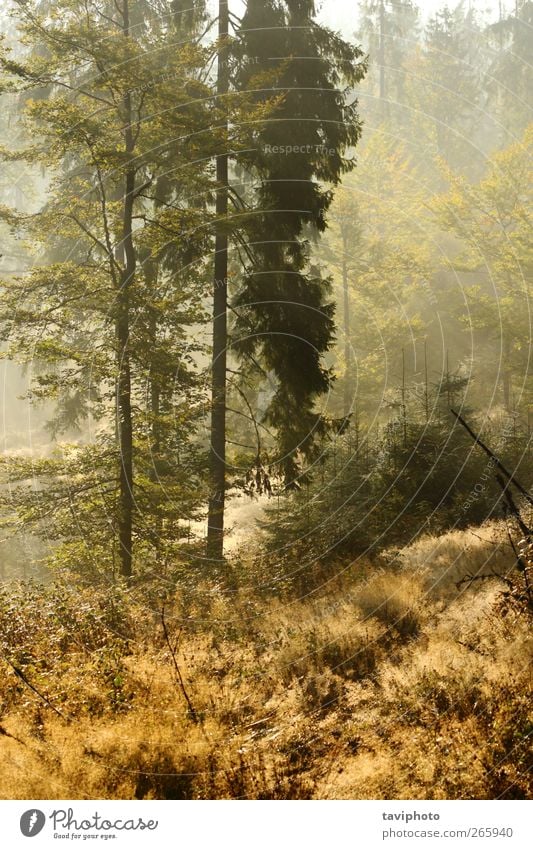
389	31
301	104
284	308
511	77
445	84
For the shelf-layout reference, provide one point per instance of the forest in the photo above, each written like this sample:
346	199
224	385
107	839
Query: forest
265	330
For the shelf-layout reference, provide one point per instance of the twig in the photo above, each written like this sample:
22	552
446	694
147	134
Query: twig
513	509
489	541
253	418
179	677
20	674
470	579
5	733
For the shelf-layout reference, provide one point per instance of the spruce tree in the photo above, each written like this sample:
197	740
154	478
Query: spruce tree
510	84
388	30
284	306
445	85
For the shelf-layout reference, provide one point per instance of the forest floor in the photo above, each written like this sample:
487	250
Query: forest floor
388	681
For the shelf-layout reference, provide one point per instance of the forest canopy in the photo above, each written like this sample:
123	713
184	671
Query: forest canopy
265	319
228	290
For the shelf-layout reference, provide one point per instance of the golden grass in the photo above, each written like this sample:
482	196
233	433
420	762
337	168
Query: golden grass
392	684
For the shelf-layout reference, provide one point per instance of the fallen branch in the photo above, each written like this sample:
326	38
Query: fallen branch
512	479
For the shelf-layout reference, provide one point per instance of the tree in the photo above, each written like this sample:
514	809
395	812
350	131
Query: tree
388	30
109	128
511	78
342	251
380	249
491	218
445	84
284	308
215	521
283	318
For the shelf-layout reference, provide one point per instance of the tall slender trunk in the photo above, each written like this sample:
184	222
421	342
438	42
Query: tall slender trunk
155	397
155	412
348	356
122	331
426	382
382	54
150	269
215	528
507	375
404	407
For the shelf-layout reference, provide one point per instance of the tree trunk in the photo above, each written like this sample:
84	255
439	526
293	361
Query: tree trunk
150	268
125	428
122	330
215	528
382	55
506	374
348	354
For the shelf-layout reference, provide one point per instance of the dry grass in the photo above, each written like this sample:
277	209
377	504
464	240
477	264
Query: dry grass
392	684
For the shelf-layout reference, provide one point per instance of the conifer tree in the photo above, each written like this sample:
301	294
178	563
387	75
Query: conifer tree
298	72
285	311
445	84
388	30
510	86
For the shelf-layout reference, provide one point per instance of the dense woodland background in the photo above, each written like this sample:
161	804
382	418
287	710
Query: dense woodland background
256	277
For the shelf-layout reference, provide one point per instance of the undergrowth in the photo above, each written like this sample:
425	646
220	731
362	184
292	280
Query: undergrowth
390	679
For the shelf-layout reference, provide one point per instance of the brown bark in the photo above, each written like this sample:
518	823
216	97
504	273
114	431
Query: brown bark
215	528
122	332
348	354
